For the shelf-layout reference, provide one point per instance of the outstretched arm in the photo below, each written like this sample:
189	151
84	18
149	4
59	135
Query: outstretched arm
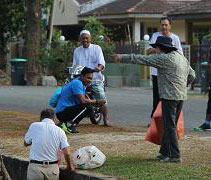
157	60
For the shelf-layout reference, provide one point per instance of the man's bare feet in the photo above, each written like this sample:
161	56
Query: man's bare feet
106	123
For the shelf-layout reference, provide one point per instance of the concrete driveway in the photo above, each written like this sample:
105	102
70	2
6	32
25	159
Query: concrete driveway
128	106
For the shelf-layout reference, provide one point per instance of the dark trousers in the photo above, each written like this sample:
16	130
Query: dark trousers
170	113
209	103
156	97
74	114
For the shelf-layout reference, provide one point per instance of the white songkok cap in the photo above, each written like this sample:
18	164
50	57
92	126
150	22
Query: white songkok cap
85	32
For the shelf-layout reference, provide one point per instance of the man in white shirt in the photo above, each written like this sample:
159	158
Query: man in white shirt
165	26
91	56
46	140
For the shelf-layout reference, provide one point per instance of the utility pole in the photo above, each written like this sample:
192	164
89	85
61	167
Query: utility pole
50	24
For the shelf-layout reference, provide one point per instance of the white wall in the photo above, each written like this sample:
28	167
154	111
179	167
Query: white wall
179	28
65	12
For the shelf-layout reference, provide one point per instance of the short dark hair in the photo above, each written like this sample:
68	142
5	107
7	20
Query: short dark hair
166	18
86	70
47	113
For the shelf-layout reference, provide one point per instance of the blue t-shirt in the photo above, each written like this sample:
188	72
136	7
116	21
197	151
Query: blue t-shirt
69	96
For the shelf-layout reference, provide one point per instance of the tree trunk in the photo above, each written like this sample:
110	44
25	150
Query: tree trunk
3	54
33	29
3	60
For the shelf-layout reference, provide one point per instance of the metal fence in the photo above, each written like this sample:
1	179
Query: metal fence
199	57
140	48
127	48
200	61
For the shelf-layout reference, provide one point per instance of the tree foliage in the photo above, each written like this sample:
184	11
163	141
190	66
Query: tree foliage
12	18
100	36
96	28
54	60
12	21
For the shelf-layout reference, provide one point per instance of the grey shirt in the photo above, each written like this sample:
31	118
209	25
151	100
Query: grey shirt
174	72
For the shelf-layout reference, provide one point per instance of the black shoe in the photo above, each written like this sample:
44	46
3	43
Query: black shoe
205	127
160	156
168	159
72	129
176	160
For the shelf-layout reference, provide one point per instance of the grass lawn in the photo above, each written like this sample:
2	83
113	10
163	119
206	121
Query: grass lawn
136	167
128	155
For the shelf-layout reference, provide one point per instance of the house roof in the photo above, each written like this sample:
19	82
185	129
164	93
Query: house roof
139	7
193	9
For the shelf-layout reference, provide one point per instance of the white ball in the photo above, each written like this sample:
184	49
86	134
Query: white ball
146	37
62	38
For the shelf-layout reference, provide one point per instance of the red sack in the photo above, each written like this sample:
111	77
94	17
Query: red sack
155	130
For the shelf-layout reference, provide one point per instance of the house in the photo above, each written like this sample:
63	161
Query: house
197	18
66	15
129	20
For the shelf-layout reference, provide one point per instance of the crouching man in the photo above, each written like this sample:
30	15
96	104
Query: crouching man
46	140
73	106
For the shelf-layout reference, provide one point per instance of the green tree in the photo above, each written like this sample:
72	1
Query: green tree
12	21
54	60
207	36
100	36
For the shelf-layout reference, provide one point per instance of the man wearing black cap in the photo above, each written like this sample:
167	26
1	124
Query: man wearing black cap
174	73
165	30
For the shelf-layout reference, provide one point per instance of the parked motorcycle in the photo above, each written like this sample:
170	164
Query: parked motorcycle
74	72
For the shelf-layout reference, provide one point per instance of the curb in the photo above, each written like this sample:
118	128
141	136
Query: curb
16	169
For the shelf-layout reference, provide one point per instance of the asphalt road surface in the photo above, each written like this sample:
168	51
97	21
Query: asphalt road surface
127	106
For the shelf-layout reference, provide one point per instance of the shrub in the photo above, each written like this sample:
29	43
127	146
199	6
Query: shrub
100	36
54	60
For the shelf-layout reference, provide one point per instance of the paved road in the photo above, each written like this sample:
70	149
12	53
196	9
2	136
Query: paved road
128	106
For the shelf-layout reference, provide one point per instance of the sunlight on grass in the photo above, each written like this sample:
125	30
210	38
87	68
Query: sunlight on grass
134	167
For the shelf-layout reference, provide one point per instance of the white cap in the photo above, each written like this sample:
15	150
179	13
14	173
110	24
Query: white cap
85	32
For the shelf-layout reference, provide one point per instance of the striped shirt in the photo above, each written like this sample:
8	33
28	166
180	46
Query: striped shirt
175	42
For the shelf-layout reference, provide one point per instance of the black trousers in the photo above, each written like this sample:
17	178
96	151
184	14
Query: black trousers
170	112
156	97
74	114
209	103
